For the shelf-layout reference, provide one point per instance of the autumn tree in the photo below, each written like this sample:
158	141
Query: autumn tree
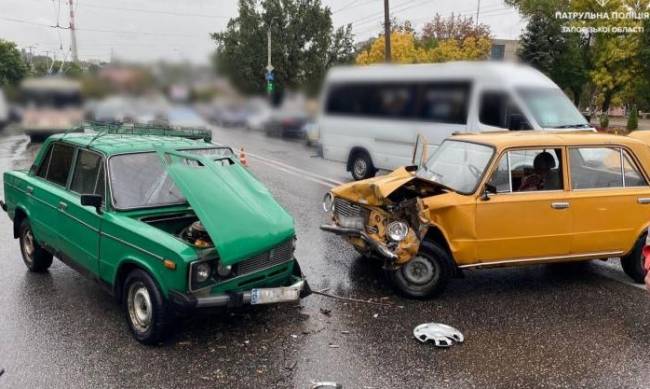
444	39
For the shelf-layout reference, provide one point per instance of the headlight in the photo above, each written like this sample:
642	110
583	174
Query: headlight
398	230
202	272
328	202
224	271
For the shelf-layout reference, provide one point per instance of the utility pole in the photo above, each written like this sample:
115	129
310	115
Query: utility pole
387	54
478	10
73	35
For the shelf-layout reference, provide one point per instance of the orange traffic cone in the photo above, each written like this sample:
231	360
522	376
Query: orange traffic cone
242	157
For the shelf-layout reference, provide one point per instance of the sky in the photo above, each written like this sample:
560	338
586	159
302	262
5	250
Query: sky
178	30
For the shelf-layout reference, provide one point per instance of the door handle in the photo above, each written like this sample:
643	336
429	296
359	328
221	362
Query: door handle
29	189
644	200
63	206
560	205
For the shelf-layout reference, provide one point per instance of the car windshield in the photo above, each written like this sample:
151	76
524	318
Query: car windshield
140	180
457	165
551	108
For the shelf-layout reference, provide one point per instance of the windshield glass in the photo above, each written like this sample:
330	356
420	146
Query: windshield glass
551	108
457	165
140	180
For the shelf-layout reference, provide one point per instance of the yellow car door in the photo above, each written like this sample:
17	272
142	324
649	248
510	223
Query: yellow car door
525	214
610	199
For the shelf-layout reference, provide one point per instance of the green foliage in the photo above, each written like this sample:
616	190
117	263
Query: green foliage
12	66
633	118
559	55
304	45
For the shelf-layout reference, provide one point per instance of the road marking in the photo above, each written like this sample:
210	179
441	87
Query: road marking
297	174
330	181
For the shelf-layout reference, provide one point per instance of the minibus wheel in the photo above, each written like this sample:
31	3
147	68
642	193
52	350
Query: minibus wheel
361	166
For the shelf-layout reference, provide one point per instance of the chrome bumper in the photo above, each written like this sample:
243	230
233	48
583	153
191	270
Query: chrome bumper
237	299
378	247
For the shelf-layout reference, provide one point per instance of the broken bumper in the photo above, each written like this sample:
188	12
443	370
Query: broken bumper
378	247
185	302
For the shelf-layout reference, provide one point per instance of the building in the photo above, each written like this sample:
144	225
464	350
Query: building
504	50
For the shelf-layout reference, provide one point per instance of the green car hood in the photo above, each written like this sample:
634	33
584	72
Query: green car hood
238	212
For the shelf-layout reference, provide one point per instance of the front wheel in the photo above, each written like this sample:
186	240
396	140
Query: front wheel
147	312
36	258
633	262
424	276
361	166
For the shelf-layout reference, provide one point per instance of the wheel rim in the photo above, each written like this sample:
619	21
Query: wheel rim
28	245
139	305
360	167
419	271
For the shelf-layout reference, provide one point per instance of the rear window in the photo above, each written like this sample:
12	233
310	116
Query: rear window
444	102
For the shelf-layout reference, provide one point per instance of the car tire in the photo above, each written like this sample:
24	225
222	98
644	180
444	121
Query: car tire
633	262
361	166
424	276
36	258
147	312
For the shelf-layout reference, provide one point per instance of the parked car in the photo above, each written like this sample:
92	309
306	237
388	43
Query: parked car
161	209
5	111
371	115
500	199
287	124
258	117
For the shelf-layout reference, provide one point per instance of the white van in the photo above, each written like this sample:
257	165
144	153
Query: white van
371	115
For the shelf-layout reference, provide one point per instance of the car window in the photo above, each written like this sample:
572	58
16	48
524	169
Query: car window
60	163
140	180
88	174
445	102
528	170
498	110
45	163
633	176
595	167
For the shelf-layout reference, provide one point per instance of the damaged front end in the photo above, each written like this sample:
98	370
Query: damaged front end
383	215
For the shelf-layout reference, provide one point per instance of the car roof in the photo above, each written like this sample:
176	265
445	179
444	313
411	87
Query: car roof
126	143
503	73
505	139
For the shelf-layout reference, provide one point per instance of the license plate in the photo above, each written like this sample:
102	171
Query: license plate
273	295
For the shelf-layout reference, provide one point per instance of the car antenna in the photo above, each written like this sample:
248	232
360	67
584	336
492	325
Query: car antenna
71	129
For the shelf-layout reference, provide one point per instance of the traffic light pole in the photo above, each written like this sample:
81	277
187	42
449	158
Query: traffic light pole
270	87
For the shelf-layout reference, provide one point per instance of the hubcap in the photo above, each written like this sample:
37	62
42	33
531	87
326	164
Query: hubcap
139	305
28	245
419	271
360	167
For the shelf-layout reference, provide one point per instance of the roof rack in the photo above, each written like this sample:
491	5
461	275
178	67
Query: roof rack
102	129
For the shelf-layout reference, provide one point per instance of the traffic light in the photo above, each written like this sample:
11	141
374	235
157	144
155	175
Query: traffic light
270	87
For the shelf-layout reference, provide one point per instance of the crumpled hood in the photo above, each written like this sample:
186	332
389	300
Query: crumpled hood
374	191
238	212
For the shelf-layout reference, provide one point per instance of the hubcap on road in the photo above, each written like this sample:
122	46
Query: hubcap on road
418	271
28	244
139	305
360	167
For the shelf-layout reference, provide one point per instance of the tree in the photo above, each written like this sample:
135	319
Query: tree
305	44
444	39
559	55
12	67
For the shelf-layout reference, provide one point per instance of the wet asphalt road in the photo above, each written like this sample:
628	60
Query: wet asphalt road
539	326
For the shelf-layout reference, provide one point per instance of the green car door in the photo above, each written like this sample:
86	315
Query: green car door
43	191
80	225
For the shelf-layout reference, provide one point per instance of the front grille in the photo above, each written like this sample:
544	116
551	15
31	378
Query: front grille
346	208
277	255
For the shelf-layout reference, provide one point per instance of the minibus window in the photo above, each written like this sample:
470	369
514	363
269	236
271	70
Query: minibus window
444	102
498	110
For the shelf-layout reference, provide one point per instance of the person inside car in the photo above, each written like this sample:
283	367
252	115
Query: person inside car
543	176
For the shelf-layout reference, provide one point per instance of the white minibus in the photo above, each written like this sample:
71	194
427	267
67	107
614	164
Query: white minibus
371	115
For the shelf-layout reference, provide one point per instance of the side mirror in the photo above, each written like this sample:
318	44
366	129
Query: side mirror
93	200
485	196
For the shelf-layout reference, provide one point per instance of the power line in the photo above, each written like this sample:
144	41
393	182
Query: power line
153	11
